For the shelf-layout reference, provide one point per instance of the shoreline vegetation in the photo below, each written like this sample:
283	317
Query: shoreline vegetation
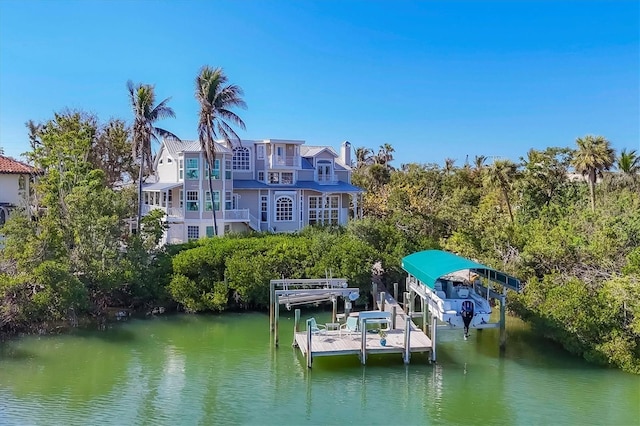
574	243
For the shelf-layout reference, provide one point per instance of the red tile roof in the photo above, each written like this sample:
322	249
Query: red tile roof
9	165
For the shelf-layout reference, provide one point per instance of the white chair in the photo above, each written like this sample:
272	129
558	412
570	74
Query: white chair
351	326
316	328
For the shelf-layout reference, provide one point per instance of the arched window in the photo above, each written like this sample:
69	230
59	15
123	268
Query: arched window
284	209
241	158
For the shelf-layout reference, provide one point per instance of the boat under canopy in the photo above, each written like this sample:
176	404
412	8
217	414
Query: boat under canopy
429	265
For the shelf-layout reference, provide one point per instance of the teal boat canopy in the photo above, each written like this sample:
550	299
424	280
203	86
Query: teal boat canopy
429	265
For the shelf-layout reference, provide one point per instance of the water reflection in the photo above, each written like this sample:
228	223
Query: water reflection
224	370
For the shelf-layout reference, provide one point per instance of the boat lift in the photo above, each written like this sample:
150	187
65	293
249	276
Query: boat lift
426	267
293	292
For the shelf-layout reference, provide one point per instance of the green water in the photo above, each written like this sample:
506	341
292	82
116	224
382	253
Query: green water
223	370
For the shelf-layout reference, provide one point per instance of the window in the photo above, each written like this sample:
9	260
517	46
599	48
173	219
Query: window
160	162
181	197
261	176
192	168
207	201
228	201
180	169
146	198
227	169
284	209
215	173
169	160
192	201
323	210
325	172
193	232
241	158
286	178
210	231
166	199
260	152
22	183
263	208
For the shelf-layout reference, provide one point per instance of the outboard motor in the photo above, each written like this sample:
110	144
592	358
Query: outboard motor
467	316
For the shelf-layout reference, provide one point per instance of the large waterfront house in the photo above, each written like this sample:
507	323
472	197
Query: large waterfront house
15	177
262	185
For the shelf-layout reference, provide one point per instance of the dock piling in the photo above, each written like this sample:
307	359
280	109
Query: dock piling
309	352
395	291
296	327
382	300
275	322
407	342
334	308
503	320
363	342
393	317
434	330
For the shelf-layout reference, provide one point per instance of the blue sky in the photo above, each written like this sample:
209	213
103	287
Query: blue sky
434	79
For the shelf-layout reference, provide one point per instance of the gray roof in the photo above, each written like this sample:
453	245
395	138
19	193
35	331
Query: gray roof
161	186
174	147
312	151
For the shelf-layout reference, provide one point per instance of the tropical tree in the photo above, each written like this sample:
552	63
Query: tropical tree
216	98
478	162
593	156
449	165
363	157
628	162
145	114
385	155
111	152
501	174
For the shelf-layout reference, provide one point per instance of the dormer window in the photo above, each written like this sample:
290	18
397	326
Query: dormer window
241	158
324	169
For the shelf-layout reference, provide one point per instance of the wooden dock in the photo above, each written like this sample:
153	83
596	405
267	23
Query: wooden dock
404	335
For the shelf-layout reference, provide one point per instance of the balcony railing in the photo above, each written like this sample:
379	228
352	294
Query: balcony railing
171	212
240	215
284	161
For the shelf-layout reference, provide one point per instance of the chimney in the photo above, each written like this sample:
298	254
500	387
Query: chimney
345	153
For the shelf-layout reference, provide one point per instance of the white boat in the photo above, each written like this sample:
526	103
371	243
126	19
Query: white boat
452	286
459	305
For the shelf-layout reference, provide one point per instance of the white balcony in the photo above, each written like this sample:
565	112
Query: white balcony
171	212
239	215
279	161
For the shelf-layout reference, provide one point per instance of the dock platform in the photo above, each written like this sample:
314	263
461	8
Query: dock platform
341	342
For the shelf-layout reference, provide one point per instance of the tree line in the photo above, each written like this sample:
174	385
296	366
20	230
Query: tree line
575	243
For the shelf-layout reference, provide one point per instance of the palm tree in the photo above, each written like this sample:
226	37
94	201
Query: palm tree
385	155
478	162
594	154
363	157
628	162
145	115
216	98
501	174
448	165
